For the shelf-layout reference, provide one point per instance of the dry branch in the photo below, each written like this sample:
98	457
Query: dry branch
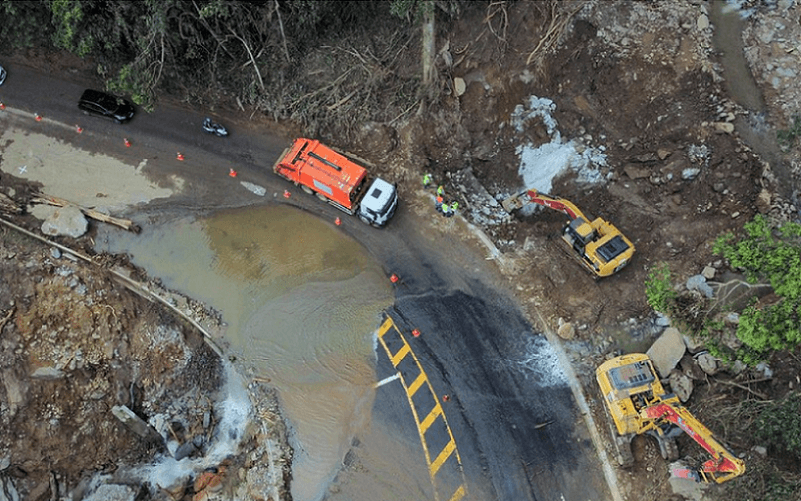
8	316
58	202
7	204
557	26
737	385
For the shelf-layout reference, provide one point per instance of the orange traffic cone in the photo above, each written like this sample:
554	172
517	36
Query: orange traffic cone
37	117
180	156
416	332
445	398
394	278
2	106
232	172
337	221
127	143
78	129
287	194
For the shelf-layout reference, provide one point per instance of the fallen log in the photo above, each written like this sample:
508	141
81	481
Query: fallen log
99	216
7	204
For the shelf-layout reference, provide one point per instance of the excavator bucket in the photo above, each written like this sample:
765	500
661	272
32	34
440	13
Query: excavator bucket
515	202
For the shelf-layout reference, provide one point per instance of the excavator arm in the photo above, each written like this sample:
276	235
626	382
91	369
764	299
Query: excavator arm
535	197
722	467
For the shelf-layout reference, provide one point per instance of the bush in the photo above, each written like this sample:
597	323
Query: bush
773	255
659	290
778	425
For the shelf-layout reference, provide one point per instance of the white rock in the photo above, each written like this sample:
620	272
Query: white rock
666	351
681	385
703	22
707	363
459	86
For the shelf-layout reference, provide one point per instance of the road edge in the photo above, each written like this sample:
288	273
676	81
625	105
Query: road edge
567	367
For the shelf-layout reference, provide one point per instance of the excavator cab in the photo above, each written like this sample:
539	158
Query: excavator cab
579	232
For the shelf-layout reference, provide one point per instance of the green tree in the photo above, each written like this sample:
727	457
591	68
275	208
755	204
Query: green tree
24	23
772	254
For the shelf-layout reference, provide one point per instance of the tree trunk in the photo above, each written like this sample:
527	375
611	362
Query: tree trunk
429	42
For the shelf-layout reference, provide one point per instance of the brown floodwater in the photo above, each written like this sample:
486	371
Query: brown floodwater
301	301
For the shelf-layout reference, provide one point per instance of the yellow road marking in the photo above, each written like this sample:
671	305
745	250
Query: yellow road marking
417	383
397	357
459	494
437	411
443	456
429	420
387	325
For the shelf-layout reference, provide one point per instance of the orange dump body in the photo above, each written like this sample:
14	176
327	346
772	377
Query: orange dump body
309	163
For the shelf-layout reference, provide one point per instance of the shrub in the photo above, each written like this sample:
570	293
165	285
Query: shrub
658	289
778	424
773	255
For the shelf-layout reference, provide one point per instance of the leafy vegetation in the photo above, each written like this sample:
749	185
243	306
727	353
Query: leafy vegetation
659	289
775	255
778	425
304	60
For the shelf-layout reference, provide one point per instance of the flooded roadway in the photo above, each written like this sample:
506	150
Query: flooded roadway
301	302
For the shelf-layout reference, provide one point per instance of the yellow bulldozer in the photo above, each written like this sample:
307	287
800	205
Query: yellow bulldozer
638	404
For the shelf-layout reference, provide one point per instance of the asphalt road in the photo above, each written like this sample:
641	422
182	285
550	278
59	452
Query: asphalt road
493	417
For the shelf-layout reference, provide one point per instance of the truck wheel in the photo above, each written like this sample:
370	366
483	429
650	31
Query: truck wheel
321	196
307	189
364	219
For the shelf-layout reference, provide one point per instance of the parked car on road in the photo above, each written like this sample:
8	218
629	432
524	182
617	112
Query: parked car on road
105	105
2	75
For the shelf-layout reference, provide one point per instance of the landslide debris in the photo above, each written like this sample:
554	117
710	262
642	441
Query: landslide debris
76	348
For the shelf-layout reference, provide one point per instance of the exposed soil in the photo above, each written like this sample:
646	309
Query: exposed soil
78	341
640	79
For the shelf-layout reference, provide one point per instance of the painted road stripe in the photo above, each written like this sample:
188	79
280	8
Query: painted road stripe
416	384
443	456
387	325
429	420
387	380
397	357
459	494
422	426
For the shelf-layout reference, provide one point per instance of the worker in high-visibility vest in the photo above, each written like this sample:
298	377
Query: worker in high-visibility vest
438	204
426	181
454	206
445	210
440	191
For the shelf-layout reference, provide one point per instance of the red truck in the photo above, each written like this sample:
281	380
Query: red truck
338	180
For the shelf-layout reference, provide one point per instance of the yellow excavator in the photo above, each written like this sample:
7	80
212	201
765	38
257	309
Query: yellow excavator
638	404
599	246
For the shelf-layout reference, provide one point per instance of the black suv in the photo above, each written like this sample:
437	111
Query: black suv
99	103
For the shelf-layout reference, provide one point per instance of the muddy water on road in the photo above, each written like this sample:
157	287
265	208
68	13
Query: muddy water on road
301	301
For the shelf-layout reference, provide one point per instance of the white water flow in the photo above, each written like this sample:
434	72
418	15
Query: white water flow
234	411
301	301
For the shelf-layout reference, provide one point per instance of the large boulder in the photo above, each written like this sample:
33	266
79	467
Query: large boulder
65	221
666	351
681	385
